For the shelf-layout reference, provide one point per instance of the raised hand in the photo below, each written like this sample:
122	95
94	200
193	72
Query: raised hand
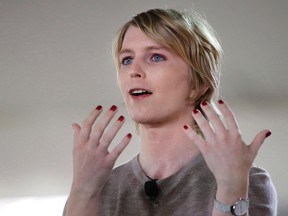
225	152
92	162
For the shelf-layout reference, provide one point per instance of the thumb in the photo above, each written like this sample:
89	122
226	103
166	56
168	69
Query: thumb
259	140
76	129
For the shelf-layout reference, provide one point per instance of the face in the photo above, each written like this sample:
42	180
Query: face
153	80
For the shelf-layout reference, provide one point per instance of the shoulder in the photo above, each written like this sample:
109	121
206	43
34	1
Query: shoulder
260	179
262	192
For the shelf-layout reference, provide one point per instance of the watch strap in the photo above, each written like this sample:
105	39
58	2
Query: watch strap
222	207
228	208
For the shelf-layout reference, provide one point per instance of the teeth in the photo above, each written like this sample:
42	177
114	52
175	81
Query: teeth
139	91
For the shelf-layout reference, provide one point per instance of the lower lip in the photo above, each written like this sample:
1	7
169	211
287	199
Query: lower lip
141	97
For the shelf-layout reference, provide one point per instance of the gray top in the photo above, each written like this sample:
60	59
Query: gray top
190	191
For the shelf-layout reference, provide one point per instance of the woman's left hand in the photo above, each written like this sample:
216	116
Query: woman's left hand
225	152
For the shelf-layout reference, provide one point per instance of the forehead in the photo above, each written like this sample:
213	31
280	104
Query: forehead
135	38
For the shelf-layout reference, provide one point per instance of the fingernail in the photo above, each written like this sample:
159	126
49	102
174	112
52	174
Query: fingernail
121	118
113	108
195	111
129	135
73	126
99	107
185	127
220	101
204	103
268	134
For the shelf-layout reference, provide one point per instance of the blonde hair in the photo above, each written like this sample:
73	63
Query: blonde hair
188	35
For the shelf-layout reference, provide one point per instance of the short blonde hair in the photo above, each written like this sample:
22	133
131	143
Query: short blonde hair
188	35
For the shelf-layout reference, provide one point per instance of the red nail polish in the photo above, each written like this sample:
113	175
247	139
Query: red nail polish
113	108
195	111
129	135
99	107
268	133
121	118
185	127
220	101
204	103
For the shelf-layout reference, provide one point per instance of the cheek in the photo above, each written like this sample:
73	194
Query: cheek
177	82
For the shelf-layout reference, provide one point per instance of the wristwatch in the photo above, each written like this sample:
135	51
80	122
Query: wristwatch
239	208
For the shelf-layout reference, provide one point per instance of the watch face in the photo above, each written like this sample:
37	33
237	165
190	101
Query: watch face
240	207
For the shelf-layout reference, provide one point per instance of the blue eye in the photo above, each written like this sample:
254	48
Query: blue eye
157	58
127	61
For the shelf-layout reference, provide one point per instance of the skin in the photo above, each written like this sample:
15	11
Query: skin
165	119
150	66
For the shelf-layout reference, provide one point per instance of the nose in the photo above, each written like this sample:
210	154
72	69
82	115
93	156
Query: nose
137	70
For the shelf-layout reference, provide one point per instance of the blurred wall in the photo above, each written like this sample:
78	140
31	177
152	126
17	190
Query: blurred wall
56	65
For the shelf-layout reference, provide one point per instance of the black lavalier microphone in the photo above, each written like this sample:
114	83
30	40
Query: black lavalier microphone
151	189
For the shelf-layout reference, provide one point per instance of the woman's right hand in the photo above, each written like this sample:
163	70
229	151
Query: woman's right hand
92	161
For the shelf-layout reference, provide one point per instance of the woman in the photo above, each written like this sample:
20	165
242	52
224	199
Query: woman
191	161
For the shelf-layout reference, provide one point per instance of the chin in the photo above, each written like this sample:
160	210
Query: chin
138	119
137	114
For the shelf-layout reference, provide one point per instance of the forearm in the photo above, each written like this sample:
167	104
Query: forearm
81	205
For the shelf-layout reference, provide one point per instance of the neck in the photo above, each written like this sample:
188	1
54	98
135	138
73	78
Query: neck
164	150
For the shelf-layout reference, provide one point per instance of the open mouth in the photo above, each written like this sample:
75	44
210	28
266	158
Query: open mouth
139	92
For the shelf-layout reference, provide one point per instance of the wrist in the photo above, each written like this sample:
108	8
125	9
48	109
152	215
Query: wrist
240	207
228	198
83	193
231	192
232	198
77	204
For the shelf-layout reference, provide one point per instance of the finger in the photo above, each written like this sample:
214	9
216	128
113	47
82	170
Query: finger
203	124
228	116
100	127
114	154
108	136
214	119
88	122
195	138
258	141
76	129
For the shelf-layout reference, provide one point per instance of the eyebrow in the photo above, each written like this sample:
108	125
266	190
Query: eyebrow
149	48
